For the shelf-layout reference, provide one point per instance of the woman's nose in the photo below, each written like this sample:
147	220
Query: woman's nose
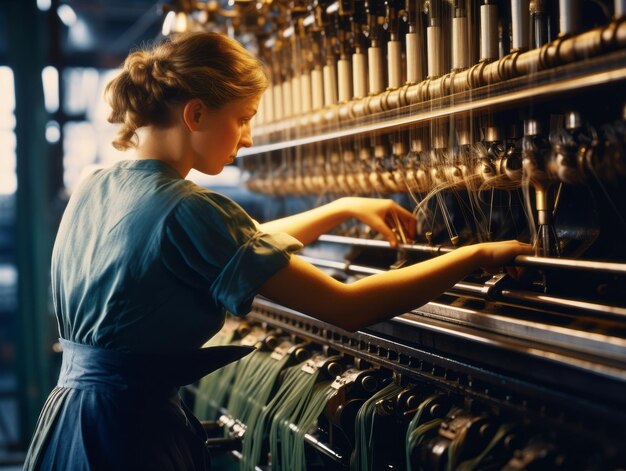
246	138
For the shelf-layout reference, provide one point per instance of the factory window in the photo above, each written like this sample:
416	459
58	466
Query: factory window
8	272
87	133
8	179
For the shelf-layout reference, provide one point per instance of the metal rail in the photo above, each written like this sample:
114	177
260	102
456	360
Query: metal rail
494	293
522	260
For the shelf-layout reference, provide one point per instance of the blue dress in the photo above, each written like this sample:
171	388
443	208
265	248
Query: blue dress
144	267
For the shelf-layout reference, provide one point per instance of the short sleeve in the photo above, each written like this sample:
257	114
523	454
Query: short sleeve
211	244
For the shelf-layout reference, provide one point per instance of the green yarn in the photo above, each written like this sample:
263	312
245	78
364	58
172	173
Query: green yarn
420	434
416	421
363	455
259	396
419	430
252	371
471	464
293	445
254	436
288	411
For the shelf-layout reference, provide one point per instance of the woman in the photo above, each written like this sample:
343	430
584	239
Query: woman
146	263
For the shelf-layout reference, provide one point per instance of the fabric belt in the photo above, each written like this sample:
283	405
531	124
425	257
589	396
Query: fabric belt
87	367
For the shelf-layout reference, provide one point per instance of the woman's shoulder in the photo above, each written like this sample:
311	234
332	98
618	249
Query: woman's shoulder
205	215
204	206
202	198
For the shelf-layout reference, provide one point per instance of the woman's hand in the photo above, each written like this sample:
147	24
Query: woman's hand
495	255
394	222
385	216
498	254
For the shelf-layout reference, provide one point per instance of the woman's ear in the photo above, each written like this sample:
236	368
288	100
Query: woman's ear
193	111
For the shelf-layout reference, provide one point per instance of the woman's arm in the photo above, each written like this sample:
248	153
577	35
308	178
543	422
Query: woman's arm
303	287
382	215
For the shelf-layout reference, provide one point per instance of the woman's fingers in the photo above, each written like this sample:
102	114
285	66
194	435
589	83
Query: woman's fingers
402	221
517	273
388	233
404	214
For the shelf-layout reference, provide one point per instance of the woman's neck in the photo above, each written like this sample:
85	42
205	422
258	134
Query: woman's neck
165	144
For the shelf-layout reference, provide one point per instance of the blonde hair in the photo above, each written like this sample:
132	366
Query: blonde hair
205	65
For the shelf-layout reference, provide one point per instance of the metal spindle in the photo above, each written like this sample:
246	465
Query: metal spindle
460	38
569	16
520	21
344	80
359	63
488	32
434	40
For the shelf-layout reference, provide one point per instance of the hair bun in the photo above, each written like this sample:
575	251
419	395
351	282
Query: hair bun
149	75
162	73
139	67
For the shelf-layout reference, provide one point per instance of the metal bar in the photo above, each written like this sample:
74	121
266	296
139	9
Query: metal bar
464	288
472	288
530	329
522	260
496	339
543	299
356	242
587	265
325	449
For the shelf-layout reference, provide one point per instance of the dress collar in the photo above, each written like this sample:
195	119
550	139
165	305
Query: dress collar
150	165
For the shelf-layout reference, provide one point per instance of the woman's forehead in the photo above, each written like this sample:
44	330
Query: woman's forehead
246	105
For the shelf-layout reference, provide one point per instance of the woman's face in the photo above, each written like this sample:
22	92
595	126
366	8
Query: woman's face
222	133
